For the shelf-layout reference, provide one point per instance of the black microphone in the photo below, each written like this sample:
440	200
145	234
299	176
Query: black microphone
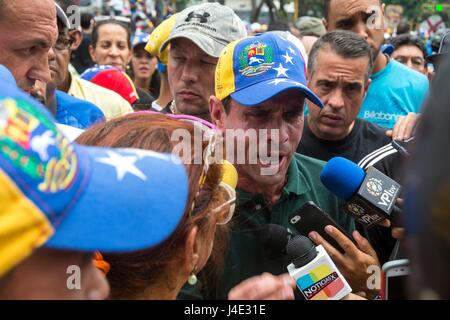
370	196
275	238
315	274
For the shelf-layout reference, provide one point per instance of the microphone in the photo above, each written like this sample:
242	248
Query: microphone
316	275
370	196
275	238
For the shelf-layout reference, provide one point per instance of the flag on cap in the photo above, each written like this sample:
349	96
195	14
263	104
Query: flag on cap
255	69
75	197
114	79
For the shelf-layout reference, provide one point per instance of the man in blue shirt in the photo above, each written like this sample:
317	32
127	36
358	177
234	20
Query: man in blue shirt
396	90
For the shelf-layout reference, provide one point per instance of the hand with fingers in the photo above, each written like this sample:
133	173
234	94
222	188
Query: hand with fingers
397	232
404	127
356	260
264	287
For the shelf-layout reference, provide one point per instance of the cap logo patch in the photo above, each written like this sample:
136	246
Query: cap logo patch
255	59
33	146
203	18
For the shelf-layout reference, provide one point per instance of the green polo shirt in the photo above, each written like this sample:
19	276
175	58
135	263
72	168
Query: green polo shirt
247	256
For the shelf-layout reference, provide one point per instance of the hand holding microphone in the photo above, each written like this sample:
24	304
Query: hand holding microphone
315	274
370	196
356	260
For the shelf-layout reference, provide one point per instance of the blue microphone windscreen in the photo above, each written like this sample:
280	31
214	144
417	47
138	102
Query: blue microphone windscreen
342	177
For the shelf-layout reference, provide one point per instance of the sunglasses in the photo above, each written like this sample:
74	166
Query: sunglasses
62	44
124	20
214	136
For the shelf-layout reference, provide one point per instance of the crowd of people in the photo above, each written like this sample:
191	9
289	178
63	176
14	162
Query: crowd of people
101	169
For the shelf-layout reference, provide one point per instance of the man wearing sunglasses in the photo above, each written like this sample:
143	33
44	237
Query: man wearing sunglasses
261	84
198	35
109	102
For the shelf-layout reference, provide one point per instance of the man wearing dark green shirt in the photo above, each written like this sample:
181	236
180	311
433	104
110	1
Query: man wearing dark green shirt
261	85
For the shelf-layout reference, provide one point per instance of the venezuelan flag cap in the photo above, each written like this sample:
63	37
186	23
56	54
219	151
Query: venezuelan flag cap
255	69
112	78
140	38
71	197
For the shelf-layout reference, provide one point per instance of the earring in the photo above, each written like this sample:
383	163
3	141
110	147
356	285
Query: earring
192	280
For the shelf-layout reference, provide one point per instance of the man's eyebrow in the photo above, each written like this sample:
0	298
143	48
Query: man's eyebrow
36	42
345	21
325	81
259	110
354	83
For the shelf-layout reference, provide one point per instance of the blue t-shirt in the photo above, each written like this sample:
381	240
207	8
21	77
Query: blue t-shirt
395	91
76	113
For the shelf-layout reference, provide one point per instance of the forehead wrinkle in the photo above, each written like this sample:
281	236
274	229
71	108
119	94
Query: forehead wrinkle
347	9
40	23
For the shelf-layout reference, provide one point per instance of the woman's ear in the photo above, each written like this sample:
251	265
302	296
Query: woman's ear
130	55
191	251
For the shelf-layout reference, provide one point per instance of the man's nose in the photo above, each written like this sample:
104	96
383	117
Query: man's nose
190	73
41	69
362	30
336	99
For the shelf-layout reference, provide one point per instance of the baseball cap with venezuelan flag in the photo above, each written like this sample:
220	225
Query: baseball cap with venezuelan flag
78	198
114	79
255	69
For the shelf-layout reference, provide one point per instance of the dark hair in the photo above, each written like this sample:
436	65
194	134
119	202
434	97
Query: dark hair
85	20
94	36
346	44
327	5
408	40
226	102
132	273
403	28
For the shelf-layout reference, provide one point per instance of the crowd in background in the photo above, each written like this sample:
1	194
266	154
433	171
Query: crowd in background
121	79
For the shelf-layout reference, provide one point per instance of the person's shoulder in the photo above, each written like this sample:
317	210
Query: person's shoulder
308	161
373	131
105	95
66	100
311	169
307	165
